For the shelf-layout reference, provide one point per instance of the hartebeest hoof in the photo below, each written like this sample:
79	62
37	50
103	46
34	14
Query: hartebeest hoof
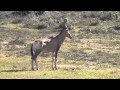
33	69
54	68
37	69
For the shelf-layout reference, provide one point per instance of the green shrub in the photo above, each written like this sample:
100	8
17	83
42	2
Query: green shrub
94	23
106	16
99	30
117	27
17	42
43	26
20	13
16	21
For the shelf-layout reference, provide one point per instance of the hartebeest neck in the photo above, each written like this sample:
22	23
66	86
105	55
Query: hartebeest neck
61	37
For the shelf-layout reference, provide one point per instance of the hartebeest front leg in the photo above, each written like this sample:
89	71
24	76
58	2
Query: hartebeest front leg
53	59
56	53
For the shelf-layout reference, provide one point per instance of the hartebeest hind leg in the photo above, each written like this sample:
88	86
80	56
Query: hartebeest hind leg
34	59
32	62
36	64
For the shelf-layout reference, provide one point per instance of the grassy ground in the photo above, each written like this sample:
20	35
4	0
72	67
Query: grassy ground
20	68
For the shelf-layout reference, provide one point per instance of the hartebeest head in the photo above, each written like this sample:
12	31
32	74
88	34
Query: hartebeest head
68	34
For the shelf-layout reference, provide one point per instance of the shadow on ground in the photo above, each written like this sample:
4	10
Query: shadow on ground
14	70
